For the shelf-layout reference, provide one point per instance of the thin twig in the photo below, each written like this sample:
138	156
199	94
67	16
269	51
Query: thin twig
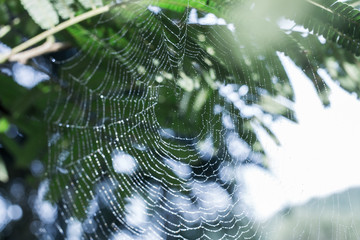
31	42
46	47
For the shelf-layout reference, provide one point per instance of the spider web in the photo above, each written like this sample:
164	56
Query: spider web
151	121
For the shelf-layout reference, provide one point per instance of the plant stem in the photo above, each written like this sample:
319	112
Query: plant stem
31	42
47	47
320	6
54	30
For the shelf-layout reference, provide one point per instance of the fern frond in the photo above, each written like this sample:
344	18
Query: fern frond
343	18
299	49
42	12
217	7
91	3
64	9
336	21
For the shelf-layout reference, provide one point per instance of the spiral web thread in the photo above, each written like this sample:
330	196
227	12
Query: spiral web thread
121	169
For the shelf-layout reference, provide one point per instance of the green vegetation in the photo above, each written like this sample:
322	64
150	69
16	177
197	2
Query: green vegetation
148	79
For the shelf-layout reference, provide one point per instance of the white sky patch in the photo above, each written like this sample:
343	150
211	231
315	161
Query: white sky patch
257	185
322	39
92	208
14	212
36	168
136	211
208	19
290	25
227	172
45	210
3	213
89	225
4	49
187	208
206	148
150	233
211	19
243	90
154	9
123	162
286	24
180	169
193	16
221	21
231	27
167	133
74	230
318	157
237	147
215	200
232	94
27	76
227	121
123	236
225	90
8	212
102	195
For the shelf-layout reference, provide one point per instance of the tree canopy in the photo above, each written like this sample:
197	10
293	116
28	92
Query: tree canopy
140	113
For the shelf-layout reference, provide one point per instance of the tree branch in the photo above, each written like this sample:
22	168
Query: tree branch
52	31
47	47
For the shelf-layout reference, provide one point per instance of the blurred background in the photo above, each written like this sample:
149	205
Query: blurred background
184	120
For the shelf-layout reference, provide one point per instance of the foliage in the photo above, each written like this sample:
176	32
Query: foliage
181	89
300	221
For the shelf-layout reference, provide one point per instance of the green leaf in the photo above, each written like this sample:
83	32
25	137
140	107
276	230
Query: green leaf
63	7
91	3
42	12
336	21
4	125
4	176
